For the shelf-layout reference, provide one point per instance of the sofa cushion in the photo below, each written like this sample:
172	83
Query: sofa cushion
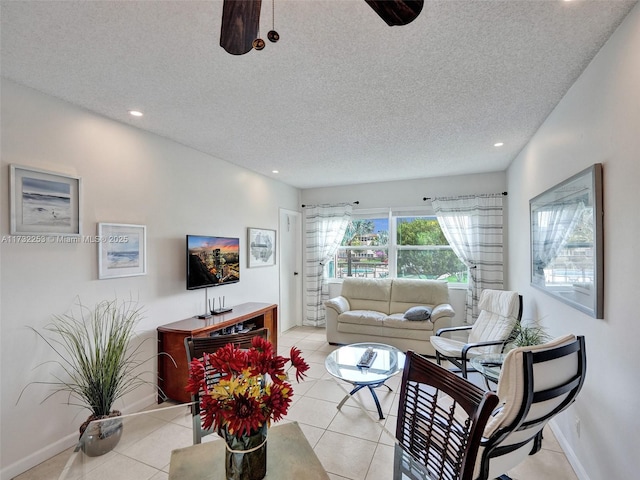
367	293
362	317
381	332
397	320
418	313
409	292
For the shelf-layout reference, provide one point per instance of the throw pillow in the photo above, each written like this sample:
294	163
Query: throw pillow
418	313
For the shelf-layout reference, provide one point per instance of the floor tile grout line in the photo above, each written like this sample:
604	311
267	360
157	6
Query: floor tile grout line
308	332
367	412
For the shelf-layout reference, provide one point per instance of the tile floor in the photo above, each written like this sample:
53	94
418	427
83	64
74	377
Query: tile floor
351	443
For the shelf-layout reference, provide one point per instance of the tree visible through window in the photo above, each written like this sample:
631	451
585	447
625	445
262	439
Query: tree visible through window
397	246
423	251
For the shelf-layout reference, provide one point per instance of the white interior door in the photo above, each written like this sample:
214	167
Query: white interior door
290	311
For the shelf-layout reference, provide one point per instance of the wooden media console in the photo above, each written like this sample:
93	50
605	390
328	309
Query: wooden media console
172	378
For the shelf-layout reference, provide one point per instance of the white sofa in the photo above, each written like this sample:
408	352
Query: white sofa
373	310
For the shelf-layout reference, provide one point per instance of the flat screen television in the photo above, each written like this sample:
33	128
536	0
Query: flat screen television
212	261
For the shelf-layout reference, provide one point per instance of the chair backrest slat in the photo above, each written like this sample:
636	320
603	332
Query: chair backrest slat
441	418
195	348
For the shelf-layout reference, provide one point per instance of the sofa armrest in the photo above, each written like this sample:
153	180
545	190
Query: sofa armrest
442	310
340	304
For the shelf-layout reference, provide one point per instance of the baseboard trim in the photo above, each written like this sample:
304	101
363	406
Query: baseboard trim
68	441
568	451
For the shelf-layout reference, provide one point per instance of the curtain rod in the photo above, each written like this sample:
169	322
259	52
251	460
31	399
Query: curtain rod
355	203
424	199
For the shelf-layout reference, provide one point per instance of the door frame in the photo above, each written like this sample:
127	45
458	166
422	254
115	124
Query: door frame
295	286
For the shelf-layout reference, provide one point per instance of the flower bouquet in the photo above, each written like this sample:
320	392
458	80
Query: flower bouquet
249	390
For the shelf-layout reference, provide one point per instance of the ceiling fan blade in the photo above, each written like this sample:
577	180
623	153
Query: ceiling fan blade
240	22
397	12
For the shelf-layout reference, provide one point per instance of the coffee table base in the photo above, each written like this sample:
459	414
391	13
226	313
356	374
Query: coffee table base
371	387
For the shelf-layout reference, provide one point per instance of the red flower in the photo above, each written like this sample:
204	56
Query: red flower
298	363
209	409
227	361
262	345
196	377
243	415
278	399
245	389
263	364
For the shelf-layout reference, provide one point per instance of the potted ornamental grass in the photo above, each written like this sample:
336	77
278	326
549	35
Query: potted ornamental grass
98	364
528	335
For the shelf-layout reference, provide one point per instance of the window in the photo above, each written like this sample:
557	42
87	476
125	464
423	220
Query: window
364	251
393	244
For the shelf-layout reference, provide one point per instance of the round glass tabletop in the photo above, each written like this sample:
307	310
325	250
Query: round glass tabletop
342	363
489	365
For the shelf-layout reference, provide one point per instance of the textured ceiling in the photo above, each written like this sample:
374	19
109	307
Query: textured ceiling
342	98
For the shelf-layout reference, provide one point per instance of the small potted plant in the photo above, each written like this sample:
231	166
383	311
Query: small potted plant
99	364
251	391
528	335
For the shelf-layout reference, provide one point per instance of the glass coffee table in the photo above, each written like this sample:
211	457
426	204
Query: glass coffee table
489	366
342	363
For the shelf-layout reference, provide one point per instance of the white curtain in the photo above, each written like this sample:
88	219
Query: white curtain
473	227
555	223
324	229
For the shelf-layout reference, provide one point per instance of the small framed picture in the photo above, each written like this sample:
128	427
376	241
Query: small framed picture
262	247
122	250
44	203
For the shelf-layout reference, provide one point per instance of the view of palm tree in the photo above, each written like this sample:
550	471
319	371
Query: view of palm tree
419	250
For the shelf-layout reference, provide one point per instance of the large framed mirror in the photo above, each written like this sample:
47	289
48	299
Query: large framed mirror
567	241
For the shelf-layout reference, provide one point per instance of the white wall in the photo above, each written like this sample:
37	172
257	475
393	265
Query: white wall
129	176
410	193
598	121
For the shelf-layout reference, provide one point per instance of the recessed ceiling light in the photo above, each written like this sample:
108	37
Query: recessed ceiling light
135	113
275	171
499	144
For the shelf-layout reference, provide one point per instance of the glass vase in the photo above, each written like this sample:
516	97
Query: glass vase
246	456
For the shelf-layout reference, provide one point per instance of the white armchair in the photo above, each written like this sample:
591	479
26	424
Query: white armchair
500	311
536	383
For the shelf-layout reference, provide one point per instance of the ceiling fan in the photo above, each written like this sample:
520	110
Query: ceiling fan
241	21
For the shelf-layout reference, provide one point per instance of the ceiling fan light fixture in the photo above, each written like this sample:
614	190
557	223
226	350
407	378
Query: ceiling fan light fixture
273	36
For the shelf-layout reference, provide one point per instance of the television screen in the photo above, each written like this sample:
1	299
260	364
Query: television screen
212	261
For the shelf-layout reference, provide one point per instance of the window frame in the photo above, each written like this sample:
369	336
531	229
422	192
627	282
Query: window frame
392	248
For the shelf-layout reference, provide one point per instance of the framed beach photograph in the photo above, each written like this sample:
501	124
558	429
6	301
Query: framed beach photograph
44	203
122	250
262	247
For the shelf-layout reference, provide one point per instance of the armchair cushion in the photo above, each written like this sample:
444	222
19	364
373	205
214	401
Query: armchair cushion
511	384
447	346
418	313
498	315
502	302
